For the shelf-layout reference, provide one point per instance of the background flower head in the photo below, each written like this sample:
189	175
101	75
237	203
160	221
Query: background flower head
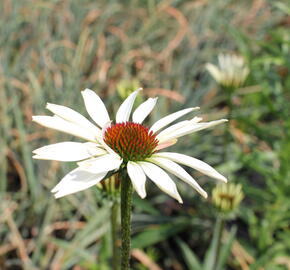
231	71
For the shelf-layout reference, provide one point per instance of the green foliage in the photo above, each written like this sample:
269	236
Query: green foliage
50	50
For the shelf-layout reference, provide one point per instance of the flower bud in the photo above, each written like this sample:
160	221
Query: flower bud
227	197
127	87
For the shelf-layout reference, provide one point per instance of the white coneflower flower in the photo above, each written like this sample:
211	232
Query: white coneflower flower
232	70
124	143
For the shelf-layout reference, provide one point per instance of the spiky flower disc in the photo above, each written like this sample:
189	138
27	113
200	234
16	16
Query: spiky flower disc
132	141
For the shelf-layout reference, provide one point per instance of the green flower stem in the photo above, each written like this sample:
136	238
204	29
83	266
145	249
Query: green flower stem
220	223
227	135
126	205
114	232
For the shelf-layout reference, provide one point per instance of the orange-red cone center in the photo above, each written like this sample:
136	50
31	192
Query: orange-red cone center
132	141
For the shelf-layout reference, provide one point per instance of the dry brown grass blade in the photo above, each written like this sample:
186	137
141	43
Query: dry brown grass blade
19	169
242	256
283	260
144	259
64	225
119	32
91	17
257	6
16	237
166	93
183	27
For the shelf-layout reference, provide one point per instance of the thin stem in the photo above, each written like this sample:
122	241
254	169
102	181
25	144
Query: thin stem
114	232
227	134
126	203
220	223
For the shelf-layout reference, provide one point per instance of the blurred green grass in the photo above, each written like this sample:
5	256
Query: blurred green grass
50	50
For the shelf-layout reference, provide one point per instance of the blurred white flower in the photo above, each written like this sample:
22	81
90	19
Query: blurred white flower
231	72
122	144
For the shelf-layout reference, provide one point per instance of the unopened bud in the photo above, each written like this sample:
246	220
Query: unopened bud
227	197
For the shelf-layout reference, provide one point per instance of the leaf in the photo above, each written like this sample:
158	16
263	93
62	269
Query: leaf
226	248
157	234
189	256
210	256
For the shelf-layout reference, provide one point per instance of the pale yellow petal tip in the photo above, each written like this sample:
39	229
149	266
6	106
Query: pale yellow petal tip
195	108
48	105
204	195
224	179
54	190
142	196
179	200
56	196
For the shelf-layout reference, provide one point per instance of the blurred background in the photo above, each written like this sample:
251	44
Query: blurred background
51	50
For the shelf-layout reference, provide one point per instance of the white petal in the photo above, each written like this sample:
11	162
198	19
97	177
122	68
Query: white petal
137	177
222	58
104	128
165	144
75	181
60	124
68	151
144	110
170	118
101	164
73	116
189	129
125	109
161	179
193	163
178	171
214	71
95	107
107	147
179	125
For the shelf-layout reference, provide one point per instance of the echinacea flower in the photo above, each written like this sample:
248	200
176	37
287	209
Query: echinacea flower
123	143
231	72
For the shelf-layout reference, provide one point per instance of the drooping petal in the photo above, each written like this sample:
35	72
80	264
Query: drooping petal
170	118
68	151
76	180
108	162
144	110
125	109
178	171
189	129
193	163
137	177
161	179
60	124
72	116
95	107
